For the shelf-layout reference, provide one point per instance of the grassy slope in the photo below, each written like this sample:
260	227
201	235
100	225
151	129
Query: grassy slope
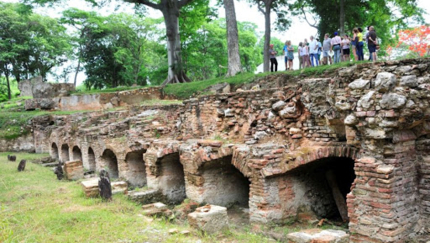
35	207
186	90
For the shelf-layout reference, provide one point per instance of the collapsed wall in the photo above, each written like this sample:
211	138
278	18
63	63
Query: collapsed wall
352	146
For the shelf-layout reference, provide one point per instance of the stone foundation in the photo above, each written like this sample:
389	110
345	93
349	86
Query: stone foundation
272	149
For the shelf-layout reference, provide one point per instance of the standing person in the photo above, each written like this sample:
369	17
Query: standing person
367	41
319	49
326	49
359	41
354	47
313	51
306	60
285	52
372	43
346	48
290	55
335	46
273	61
300	51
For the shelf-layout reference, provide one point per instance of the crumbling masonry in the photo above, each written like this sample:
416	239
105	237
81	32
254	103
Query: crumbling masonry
273	150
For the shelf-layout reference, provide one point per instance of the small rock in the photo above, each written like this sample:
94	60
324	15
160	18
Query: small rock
409	81
392	101
173	231
385	81
366	100
351	120
278	105
359	84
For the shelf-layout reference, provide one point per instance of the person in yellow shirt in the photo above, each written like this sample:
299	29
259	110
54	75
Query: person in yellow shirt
358	33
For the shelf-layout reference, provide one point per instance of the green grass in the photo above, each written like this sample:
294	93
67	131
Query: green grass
13	124
35	207
186	90
108	90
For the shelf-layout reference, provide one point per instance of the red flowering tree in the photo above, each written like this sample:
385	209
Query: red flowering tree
417	40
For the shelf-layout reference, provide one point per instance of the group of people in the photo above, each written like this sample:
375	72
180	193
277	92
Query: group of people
341	48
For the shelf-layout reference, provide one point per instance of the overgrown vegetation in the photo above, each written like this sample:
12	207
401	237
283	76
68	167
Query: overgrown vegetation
35	207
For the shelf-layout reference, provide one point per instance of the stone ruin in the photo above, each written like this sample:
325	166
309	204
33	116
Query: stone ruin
365	128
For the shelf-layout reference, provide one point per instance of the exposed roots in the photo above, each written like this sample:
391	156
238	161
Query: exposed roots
178	78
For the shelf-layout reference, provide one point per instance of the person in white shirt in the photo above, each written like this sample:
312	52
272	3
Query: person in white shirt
313	51
335	46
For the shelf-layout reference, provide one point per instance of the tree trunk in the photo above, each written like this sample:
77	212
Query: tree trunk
342	17
176	72
77	71
234	65
266	12
8	85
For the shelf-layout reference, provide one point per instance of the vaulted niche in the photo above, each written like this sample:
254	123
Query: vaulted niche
54	151
224	185
91	159
136	174
321	186
65	153
110	163
77	154
171	178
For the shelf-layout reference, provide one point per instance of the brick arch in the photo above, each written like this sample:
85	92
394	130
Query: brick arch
54	151
76	153
65	156
109	161
307	155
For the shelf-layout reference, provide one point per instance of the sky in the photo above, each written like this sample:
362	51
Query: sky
298	31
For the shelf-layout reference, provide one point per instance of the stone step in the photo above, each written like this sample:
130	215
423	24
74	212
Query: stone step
91	187
146	196
318	236
53	164
156	209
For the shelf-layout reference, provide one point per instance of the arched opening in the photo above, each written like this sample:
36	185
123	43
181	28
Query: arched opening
224	185
91	160
171	178
111	163
65	153
54	151
77	154
136	174
320	186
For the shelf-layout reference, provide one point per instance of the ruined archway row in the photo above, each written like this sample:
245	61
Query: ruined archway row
207	171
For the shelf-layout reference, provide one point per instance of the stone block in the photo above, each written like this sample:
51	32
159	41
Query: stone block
74	170
209	218
147	196
157	209
91	187
318	236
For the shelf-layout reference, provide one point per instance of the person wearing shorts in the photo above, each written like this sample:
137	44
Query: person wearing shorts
346	48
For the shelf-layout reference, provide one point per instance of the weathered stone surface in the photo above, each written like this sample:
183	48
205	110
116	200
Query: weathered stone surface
359	84
392	101
147	196
318	236
385	81
409	81
366	100
210	219
351	120
74	170
157	209
278	105
26	86
91	188
40	103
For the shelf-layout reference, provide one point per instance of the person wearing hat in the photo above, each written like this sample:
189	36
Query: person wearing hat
335	46
273	61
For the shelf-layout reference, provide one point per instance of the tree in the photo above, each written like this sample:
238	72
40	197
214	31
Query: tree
170	10
265	7
234	65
